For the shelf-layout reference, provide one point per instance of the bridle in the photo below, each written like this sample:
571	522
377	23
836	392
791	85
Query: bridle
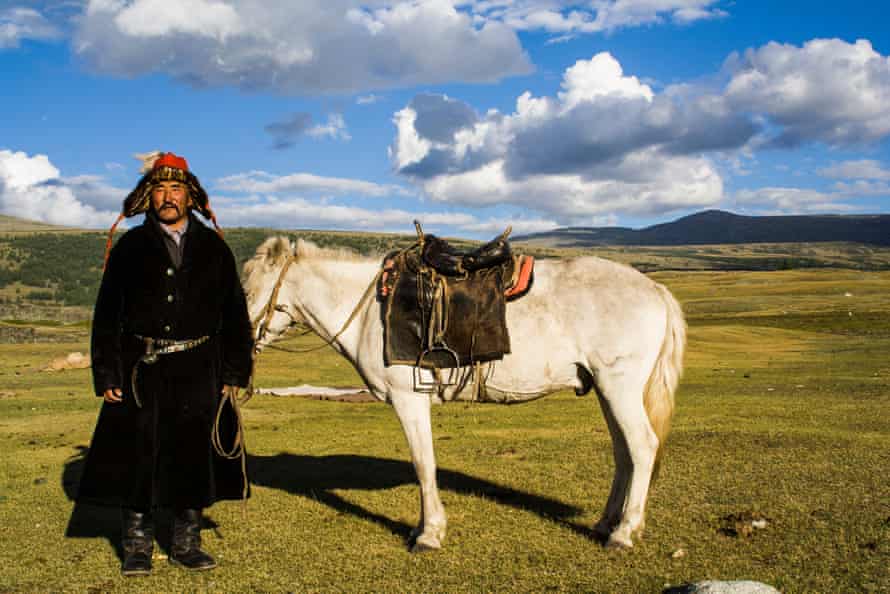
273	306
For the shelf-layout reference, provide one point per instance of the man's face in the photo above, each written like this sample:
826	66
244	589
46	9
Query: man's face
170	200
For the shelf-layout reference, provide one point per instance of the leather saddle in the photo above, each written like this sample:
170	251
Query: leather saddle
451	261
443	307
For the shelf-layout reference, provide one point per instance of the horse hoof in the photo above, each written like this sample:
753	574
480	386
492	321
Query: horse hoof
422	544
420	547
602	530
616	542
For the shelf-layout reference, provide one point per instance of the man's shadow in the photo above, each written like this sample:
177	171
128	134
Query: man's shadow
317	477
103	521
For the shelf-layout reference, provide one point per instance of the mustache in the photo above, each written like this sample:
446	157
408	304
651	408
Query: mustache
169	205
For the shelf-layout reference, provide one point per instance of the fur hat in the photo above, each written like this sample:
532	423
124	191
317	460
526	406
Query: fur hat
158	167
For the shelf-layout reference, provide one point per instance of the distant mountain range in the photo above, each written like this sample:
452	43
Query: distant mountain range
706	227
721	227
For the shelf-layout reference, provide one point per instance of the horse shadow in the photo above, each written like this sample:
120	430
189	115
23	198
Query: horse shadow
317	477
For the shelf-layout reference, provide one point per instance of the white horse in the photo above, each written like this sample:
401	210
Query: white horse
587	323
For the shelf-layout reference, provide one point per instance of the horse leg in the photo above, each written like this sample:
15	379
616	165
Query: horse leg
622	391
615	504
413	411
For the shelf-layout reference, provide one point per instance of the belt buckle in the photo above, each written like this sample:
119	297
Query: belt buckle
150	357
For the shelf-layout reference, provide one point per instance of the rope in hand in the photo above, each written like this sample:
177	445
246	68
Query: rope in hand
237	450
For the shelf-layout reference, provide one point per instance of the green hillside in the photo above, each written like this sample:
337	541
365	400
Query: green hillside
41	266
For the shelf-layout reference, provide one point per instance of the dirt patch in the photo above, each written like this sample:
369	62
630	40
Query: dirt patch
362	396
76	360
743	524
322	393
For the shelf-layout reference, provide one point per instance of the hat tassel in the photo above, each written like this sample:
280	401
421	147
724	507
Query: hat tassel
219	230
110	239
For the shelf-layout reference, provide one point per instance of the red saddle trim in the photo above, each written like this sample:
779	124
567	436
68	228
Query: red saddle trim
388	265
526	266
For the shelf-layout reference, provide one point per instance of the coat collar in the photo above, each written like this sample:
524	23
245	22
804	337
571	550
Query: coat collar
191	237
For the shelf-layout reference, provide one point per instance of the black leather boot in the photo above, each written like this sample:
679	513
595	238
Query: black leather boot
137	542
186	549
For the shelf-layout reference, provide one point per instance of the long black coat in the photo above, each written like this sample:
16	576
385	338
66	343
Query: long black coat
161	454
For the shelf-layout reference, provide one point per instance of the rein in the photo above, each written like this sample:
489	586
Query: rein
272	306
329	341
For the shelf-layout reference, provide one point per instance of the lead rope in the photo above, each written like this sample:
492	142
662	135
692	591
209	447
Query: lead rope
238	444
329	341
237	450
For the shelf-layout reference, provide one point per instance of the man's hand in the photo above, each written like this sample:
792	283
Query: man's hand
113	395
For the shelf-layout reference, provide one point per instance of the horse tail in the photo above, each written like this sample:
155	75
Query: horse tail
658	396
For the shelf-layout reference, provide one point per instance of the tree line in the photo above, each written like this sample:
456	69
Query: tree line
66	268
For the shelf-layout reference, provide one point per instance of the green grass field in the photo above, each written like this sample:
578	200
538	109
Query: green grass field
784	411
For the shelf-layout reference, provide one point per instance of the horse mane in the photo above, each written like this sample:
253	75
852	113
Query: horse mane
272	253
269	254
307	250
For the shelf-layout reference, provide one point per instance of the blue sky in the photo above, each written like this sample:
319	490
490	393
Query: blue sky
469	115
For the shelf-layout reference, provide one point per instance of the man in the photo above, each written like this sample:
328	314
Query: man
171	334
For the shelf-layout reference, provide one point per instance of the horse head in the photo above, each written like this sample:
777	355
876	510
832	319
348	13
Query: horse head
264	283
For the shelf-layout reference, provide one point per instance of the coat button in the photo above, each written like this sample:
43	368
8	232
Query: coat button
167	329
170	272
170	298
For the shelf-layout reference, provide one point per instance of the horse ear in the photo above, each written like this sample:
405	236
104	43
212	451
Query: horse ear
273	250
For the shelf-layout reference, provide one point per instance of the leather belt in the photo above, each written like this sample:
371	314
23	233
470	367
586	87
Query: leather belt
154	348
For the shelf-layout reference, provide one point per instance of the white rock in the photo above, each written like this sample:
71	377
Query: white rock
307	390
678	554
732	587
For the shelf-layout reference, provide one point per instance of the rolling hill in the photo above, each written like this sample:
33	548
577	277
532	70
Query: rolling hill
720	227
16	225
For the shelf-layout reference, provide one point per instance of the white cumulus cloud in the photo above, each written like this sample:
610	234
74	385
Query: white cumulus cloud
605	144
31	188
785	200
827	90
261	182
346	46
608	143
159	18
306	47
596	16
334	128
18	23
860	169
301	213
